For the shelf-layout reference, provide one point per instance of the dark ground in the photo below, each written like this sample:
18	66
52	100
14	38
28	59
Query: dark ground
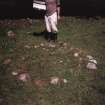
17	9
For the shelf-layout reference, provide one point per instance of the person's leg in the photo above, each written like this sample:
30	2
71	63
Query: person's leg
54	29
48	28
53	22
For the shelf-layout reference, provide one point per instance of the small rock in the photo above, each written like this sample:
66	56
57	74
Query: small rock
27	46
93	61
52	53
35	46
44	48
54	80
14	73
23	77
28	32
23	58
11	34
52	45
7	61
65	44
76	54
64	80
42	44
91	66
60	61
57	80
89	57
71	48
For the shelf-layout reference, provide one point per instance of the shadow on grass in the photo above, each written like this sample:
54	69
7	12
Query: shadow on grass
40	34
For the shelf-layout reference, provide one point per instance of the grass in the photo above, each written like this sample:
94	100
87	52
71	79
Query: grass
27	53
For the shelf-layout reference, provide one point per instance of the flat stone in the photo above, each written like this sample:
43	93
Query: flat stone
91	66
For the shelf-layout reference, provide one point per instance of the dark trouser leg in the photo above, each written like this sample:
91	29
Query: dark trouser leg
48	36
54	37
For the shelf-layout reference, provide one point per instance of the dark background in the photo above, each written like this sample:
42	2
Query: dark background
23	8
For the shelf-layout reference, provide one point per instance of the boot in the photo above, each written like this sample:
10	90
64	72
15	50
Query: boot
54	37
48	36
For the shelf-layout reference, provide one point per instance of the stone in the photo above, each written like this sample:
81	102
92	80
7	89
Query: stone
54	80
76	54
64	80
7	61
23	77
93	61
14	73
91	66
89	57
11	34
